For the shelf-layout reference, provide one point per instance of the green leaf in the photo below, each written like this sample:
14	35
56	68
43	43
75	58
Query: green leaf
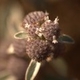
32	70
21	35
65	39
60	66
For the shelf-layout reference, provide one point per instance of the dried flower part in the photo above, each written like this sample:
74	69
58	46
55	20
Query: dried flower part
34	18
50	29
38	49
19	47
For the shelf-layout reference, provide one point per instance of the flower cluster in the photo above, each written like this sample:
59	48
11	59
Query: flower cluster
50	29
43	36
34	18
19	47
39	49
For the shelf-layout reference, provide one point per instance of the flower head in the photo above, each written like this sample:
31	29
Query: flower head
44	34
39	49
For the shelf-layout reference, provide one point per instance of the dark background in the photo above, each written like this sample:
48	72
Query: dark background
12	13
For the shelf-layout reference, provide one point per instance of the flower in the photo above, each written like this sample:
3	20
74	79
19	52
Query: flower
34	18
38	49
43	36
50	29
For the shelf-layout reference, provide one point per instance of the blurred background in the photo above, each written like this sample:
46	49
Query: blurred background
65	67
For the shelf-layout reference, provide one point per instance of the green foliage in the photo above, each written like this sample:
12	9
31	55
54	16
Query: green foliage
32	70
60	66
65	39
20	35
